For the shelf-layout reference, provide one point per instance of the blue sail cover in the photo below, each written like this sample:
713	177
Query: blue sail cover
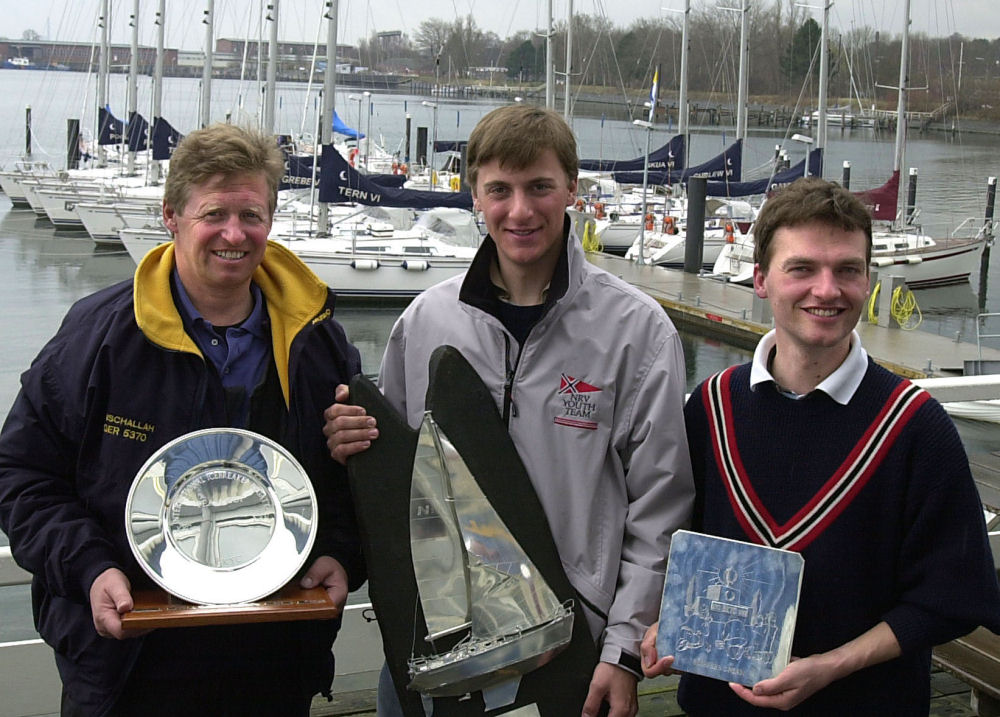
728	165
299	173
770	184
339	182
110	129
138	132
669	156
340	128
450	145
165	139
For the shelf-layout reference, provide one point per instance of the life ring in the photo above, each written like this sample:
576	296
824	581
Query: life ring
649	222
729	235
352	155
599	210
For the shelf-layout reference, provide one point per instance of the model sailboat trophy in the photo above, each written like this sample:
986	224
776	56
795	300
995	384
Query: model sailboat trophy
473	605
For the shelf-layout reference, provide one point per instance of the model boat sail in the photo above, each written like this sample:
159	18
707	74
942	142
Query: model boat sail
473	576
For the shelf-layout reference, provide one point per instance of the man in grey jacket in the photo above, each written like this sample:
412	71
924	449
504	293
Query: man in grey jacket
587	372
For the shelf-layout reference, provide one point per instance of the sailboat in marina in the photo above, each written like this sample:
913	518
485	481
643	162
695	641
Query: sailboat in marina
899	247
362	238
127	178
618	210
474	580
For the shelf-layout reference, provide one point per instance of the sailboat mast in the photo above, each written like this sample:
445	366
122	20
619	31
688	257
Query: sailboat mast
904	80
741	101
102	75
682	99
272	69
567	111
550	67
154	169
133	71
824	71
206	71
329	100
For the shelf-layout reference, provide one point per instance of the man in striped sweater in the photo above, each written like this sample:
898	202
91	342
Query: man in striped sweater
813	447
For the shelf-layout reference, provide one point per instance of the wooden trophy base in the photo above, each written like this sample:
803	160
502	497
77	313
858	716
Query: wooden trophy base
156	608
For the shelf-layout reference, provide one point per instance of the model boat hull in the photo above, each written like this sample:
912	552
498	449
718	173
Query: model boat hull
479	664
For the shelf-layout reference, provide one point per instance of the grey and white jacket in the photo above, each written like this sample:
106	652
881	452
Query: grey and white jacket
593	401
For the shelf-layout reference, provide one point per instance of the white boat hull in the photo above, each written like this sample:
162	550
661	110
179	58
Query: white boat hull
618	236
949	262
945	263
669	249
378	275
362	274
104	220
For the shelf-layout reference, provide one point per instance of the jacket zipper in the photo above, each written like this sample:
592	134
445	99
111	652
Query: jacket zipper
509	407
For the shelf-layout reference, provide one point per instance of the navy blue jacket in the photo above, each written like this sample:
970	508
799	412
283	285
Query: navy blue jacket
120	379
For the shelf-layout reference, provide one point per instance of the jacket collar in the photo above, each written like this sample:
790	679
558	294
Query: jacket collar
479	290
295	298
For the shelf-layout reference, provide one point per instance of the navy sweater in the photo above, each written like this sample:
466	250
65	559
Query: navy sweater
904	543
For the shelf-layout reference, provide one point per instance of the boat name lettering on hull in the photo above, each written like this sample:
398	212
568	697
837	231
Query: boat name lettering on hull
359	194
301	181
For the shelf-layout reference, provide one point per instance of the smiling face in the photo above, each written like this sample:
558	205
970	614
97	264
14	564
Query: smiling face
817	283
524	211
220	237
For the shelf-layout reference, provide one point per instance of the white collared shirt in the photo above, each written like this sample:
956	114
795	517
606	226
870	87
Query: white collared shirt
839	385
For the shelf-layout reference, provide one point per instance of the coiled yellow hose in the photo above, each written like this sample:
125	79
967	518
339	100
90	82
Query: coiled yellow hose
591	242
902	307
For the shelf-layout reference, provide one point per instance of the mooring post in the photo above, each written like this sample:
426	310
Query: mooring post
422	146
27	132
984	258
406	148
695	239
911	196
72	143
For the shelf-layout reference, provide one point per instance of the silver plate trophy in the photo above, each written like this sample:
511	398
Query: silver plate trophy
221	516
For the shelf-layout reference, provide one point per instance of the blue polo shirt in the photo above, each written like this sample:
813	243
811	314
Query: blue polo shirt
239	353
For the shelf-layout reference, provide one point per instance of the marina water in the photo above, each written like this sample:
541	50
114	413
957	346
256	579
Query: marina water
43	271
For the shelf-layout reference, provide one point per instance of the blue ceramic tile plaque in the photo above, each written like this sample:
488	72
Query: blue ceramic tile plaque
728	608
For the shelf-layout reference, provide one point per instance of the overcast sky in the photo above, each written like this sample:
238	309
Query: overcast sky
300	19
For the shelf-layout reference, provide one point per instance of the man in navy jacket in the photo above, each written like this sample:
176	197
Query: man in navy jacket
218	328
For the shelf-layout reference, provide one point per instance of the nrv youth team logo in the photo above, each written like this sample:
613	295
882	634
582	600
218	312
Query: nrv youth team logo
578	407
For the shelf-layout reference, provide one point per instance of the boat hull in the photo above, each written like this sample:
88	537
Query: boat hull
358	274
946	263
473	666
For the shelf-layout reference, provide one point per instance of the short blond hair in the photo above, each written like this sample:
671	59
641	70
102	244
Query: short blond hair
222	149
